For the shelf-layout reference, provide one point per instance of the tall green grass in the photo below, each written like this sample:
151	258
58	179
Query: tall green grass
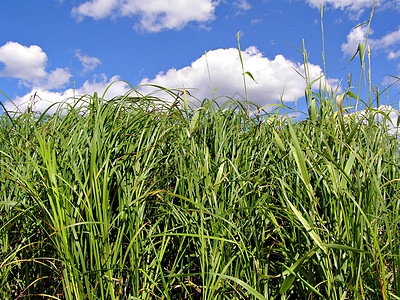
136	198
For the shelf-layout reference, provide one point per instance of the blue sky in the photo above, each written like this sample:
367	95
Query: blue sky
48	47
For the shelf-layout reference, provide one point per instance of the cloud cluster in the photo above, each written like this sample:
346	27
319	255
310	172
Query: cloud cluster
274	77
40	99
154	15
29	65
387	44
359	34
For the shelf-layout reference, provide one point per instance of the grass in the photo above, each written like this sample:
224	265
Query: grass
136	198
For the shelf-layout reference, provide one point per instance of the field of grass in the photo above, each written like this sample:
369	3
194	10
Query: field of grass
136	198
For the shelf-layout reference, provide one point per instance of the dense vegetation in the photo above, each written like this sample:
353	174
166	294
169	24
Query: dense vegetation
136	198
132	198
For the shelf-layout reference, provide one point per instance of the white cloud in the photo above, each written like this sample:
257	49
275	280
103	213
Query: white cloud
388	40
391	80
354	8
355	37
44	98
390	4
154	15
342	4
381	115
88	63
56	79
359	34
273	77
242	5
114	86
29	65
39	100
96	9
393	55
393	116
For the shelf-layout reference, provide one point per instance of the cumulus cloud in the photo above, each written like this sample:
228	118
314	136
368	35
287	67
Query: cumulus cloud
88	63
40	99
355	37
384	45
359	34
274	77
56	79
154	15
23	62
29	65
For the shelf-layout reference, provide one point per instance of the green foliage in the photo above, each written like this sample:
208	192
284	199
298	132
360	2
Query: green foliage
136	198
133	198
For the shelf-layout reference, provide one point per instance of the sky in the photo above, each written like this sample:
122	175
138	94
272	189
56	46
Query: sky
51	50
